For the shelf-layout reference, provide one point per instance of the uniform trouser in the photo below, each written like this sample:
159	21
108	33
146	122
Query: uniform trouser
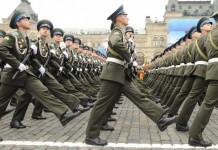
144	91
176	90
150	79
191	100
203	115
80	87
183	93
56	89
170	90
35	88
157	83
159	88
71	89
154	80
84	82
166	87
108	93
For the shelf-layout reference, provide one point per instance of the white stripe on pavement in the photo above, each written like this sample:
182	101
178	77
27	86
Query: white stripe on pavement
80	144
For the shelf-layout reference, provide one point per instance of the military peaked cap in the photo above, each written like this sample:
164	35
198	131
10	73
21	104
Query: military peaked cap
129	29
203	21
215	15
68	37
191	31
118	12
17	16
45	23
57	31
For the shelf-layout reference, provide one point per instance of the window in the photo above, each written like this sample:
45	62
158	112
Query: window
200	7
173	7
155	42
189	7
162	42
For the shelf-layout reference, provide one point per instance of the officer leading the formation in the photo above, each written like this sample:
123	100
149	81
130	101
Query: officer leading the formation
114	82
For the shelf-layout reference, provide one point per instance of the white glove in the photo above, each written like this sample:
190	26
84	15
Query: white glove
77	69
53	51
65	54
80	69
22	67
61	69
42	70
130	40
71	70
34	48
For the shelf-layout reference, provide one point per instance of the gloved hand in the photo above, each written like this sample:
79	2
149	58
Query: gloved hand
42	70
53	51
34	49
65	54
61	69
22	67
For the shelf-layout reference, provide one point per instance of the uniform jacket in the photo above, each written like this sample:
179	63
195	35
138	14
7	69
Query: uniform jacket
113	71
9	47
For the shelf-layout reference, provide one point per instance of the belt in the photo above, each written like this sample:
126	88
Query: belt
189	64
7	66
182	64
115	60
201	63
213	60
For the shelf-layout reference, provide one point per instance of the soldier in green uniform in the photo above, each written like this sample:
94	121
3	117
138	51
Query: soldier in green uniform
43	56
16	52
114	82
203	115
204	26
186	87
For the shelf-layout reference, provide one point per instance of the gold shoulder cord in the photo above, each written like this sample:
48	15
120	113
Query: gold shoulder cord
211	41
200	52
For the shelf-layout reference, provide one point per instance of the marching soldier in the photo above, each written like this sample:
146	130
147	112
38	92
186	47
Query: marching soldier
43	56
16	52
204	26
112	86
203	115
58	70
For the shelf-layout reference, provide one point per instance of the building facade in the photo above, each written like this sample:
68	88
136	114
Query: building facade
157	33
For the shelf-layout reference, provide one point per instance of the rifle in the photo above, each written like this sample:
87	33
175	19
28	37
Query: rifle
23	62
61	64
46	62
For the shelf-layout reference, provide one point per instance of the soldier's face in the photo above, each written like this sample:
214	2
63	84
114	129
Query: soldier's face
24	24
76	45
1	38
58	38
68	43
44	31
207	27
123	19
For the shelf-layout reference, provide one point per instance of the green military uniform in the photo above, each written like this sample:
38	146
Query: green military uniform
186	87
199	83
118	83
211	99
26	79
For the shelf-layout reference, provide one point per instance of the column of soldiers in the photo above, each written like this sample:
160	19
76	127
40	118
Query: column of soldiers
184	75
62	80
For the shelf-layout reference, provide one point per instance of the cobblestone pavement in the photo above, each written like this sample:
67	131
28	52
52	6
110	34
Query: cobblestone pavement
133	131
